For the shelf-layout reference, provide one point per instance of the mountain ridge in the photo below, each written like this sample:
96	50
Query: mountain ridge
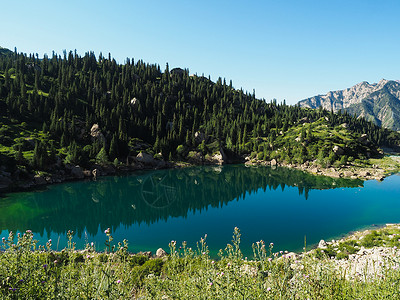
377	102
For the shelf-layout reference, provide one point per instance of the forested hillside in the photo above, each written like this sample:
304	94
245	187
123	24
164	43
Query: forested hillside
49	108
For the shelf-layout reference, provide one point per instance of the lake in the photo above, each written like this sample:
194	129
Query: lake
151	208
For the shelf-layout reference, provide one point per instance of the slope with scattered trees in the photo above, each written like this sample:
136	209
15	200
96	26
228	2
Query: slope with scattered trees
73	110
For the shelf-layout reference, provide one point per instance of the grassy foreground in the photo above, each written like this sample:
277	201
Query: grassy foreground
28	271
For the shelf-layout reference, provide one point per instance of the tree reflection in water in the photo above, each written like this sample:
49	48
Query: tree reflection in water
147	197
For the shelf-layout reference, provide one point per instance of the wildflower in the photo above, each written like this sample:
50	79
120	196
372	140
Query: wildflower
269	259
204	253
228	265
49	241
268	289
21	280
119	281
281	252
45	266
212	262
92	244
394	247
222	273
271	244
210	283
29	231
56	261
107	231
43	282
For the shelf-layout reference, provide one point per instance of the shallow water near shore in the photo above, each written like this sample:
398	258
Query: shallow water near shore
151	208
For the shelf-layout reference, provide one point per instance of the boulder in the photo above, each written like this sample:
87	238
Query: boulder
87	173
96	133
145	158
292	255
161	253
39	180
322	244
77	173
134	102
363	139
195	157
274	163
338	150
95	173
5	182
199	137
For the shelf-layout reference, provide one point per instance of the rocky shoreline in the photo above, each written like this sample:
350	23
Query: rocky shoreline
22	180
348	171
366	262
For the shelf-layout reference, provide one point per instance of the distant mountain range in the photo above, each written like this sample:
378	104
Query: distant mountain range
377	102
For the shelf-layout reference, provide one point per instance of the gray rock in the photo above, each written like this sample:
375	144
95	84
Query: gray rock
363	139
322	244
96	133
160	253
133	102
39	180
77	173
5	182
274	162
199	137
338	150
145	158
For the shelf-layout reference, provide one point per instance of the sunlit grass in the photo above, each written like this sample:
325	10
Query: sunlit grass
29	271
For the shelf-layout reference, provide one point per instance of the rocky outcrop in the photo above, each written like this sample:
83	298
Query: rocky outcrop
160	253
322	244
338	150
39	180
218	158
195	157
145	158
377	102
96	133
77	173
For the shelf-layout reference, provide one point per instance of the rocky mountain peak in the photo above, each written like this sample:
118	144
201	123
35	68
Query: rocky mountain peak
378	102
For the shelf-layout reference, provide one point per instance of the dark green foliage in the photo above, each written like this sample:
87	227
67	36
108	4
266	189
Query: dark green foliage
65	96
137	260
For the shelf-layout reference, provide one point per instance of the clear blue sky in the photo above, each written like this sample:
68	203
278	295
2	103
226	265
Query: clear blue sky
283	49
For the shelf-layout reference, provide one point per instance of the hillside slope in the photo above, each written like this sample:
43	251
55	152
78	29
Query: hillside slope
60	112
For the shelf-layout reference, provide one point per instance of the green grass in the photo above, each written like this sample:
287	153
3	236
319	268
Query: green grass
29	271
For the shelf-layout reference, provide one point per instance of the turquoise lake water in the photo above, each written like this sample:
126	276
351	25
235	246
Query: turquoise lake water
151	208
